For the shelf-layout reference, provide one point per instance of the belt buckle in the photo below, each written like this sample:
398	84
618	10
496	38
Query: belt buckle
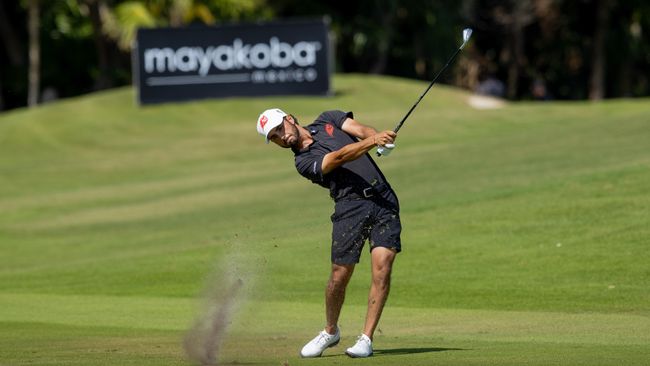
367	192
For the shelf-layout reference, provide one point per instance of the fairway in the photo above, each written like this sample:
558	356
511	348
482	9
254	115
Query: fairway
525	235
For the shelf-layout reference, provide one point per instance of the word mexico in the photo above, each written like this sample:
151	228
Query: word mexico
243	60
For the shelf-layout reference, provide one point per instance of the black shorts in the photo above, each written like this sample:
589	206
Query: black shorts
354	221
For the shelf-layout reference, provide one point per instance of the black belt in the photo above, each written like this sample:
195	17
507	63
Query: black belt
367	192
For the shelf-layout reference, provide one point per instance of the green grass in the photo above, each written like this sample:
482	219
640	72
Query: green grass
525	231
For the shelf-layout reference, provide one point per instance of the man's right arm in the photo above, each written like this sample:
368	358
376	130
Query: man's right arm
355	150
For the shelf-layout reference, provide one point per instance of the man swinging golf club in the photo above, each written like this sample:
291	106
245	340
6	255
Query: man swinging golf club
333	153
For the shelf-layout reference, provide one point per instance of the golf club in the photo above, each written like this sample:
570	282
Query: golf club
385	150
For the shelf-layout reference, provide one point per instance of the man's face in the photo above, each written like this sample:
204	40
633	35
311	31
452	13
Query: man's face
285	134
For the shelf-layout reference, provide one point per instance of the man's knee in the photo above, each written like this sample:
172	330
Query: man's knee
383	258
340	276
382	265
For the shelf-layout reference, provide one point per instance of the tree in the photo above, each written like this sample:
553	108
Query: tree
102	43
598	56
514	16
580	49
385	14
121	22
33	25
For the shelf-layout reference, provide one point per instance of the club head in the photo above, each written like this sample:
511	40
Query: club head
467	34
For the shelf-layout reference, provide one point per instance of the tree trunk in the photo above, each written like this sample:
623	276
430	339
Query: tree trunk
103	80
33	27
386	10
516	45
597	78
519	19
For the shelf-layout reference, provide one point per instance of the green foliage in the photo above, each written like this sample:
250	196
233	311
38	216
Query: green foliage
233	10
123	24
70	20
520	43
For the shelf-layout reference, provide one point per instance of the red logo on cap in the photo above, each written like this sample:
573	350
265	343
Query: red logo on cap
329	129
263	121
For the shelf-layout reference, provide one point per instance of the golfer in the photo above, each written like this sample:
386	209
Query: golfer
333	153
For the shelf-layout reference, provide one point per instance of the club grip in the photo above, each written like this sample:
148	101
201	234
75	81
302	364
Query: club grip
385	150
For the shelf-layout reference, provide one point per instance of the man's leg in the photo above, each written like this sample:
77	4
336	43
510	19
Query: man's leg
382	264
335	294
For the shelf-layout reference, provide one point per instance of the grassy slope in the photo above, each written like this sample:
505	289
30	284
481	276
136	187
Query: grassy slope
112	216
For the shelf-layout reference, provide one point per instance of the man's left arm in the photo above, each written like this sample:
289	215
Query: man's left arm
357	129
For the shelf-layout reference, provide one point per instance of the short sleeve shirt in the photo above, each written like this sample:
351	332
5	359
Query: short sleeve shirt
351	177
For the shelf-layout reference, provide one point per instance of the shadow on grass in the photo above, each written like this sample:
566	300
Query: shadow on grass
408	351
402	351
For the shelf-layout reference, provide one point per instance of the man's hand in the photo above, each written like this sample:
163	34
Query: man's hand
385	137
385	142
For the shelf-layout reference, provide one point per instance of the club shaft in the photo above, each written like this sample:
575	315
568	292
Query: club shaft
399	125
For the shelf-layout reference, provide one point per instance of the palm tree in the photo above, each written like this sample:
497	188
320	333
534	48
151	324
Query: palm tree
122	22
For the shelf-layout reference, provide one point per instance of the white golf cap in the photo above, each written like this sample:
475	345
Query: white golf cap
268	120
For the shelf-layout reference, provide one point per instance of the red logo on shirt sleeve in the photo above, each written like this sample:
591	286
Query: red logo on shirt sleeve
263	121
329	129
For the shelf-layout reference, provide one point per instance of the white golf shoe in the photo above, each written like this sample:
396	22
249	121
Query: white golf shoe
363	347
323	340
